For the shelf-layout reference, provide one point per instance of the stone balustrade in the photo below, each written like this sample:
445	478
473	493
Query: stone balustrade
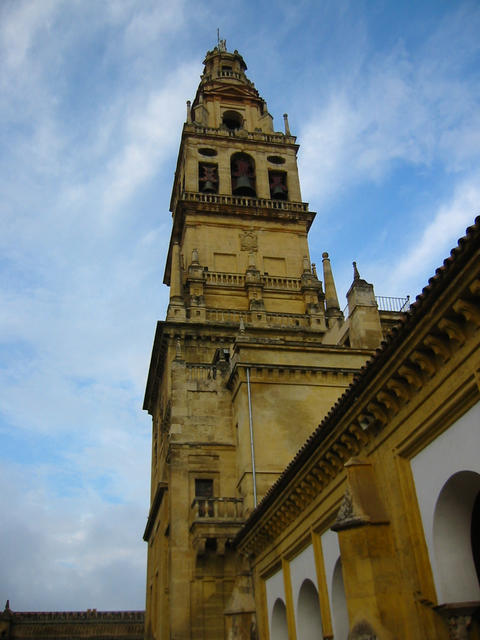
209	509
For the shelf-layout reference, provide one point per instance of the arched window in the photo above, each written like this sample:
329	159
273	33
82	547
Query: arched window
279	628
456	525
278	185
242	168
232	120
339	603
309	619
207	177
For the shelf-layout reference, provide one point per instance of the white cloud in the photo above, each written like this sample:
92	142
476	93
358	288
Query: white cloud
449	221
397	107
19	27
75	550
151	135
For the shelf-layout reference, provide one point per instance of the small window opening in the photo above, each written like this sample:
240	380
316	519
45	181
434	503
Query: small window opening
276	159
206	151
226	67
204	497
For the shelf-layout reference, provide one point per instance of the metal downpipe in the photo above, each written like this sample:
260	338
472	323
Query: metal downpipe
252	446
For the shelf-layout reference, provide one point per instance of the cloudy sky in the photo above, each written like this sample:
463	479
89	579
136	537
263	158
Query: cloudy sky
384	99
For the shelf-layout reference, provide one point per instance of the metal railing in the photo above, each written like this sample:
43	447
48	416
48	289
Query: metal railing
389	303
206	509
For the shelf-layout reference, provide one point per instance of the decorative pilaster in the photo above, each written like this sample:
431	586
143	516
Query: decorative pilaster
195	284
254	286
176	308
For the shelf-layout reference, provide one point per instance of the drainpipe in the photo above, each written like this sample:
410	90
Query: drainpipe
254	478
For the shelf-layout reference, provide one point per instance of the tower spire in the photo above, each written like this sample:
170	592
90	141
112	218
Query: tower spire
332	307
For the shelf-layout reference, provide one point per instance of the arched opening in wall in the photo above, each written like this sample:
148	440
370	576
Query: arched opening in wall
339	604
242	168
207	177
279	628
309	619
456	528
475	535
278	185
232	120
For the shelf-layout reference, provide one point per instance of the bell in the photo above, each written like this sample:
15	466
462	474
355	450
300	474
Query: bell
208	187
278	192
244	187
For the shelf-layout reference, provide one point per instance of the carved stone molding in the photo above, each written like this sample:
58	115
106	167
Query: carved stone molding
249	241
411	375
438	346
348	515
458	627
424	361
458	617
362	631
468	310
399	388
453	330
388	399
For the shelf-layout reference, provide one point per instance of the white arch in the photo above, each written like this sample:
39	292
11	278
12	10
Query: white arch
279	628
302	567
309	619
452	538
339	604
275	591
453	451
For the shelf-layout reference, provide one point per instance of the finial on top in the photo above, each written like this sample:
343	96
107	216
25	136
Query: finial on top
221	44
356	275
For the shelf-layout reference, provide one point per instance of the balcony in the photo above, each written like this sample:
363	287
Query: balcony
214	522
244	201
270	138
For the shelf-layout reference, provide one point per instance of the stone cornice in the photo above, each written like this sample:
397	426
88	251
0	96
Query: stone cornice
156	503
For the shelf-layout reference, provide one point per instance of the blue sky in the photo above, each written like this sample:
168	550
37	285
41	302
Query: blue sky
384	99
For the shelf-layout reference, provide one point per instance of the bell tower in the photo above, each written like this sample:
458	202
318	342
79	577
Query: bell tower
235	202
252	353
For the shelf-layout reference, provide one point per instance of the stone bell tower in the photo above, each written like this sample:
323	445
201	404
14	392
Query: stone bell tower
250	357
